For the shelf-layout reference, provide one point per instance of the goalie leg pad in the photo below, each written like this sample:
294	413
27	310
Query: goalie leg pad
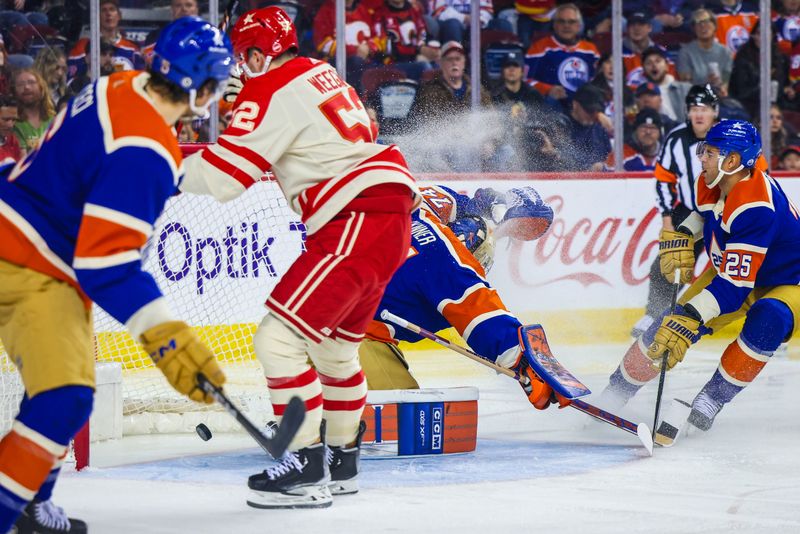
344	388
284	356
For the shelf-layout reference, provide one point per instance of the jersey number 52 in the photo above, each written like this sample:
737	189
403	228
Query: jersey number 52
340	105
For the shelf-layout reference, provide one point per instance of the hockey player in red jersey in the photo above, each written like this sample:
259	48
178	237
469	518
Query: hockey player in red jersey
296	118
75	215
750	231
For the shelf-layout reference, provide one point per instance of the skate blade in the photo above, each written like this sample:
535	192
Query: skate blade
304	497
344	487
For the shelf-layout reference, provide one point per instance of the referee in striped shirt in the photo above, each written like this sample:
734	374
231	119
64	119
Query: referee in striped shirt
676	170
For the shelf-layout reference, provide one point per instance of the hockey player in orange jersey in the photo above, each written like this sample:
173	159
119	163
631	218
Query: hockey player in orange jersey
298	119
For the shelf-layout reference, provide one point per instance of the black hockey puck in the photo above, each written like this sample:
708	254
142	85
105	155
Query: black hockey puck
203	431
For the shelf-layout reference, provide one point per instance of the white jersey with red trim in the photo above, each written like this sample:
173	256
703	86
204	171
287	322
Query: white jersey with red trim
309	128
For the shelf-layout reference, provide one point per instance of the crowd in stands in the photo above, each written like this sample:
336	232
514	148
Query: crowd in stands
546	74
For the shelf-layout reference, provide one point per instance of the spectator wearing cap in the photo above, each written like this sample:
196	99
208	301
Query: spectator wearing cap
402	23
454	18
641	152
648	96
449	91
790	159
126	53
361	37
591	143
177	9
560	63
10	150
638	39
673	92
704	60
512	90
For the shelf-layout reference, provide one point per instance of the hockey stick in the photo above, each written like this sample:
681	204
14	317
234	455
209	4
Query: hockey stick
640	430
663	375
275	446
227	15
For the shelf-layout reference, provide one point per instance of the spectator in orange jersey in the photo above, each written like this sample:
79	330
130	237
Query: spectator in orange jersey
10	150
735	21
785	24
559	64
638	39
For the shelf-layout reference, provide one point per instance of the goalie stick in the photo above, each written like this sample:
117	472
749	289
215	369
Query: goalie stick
640	430
274	445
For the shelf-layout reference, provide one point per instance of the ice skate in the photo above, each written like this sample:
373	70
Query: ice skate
704	410
344	465
300	480
44	517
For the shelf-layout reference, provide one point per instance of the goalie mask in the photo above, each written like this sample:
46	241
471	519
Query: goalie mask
477	237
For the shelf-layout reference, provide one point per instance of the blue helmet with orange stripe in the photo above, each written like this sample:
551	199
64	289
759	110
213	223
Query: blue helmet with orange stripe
191	51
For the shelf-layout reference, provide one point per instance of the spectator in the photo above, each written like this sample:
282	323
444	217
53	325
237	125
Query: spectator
178	9
126	53
642	151
604	80
13	15
790	159
745	84
560	63
449	92
673	93
361	38
80	81
704	60
52	65
638	39
453	17
780	133
786	26
512	91
5	69
533	16
734	22
10	150
590	141
35	109
403	25
648	96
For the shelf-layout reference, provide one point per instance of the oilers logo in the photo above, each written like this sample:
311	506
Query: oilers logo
736	37
572	73
790	29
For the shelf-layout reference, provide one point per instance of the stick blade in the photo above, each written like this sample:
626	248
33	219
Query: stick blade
645	436
673	423
291	421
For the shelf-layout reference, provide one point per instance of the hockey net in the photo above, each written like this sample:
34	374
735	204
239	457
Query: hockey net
216	264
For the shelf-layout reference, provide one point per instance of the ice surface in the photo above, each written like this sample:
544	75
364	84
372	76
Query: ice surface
556	470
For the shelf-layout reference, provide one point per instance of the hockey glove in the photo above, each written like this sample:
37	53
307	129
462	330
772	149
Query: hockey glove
676	251
674	336
233	88
180	355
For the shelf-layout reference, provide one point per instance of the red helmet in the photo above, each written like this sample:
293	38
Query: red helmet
269	29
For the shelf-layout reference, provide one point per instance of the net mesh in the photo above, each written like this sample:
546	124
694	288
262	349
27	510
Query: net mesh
216	264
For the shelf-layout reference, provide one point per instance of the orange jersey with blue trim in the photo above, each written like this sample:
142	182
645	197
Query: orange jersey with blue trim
81	207
441	284
752	238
